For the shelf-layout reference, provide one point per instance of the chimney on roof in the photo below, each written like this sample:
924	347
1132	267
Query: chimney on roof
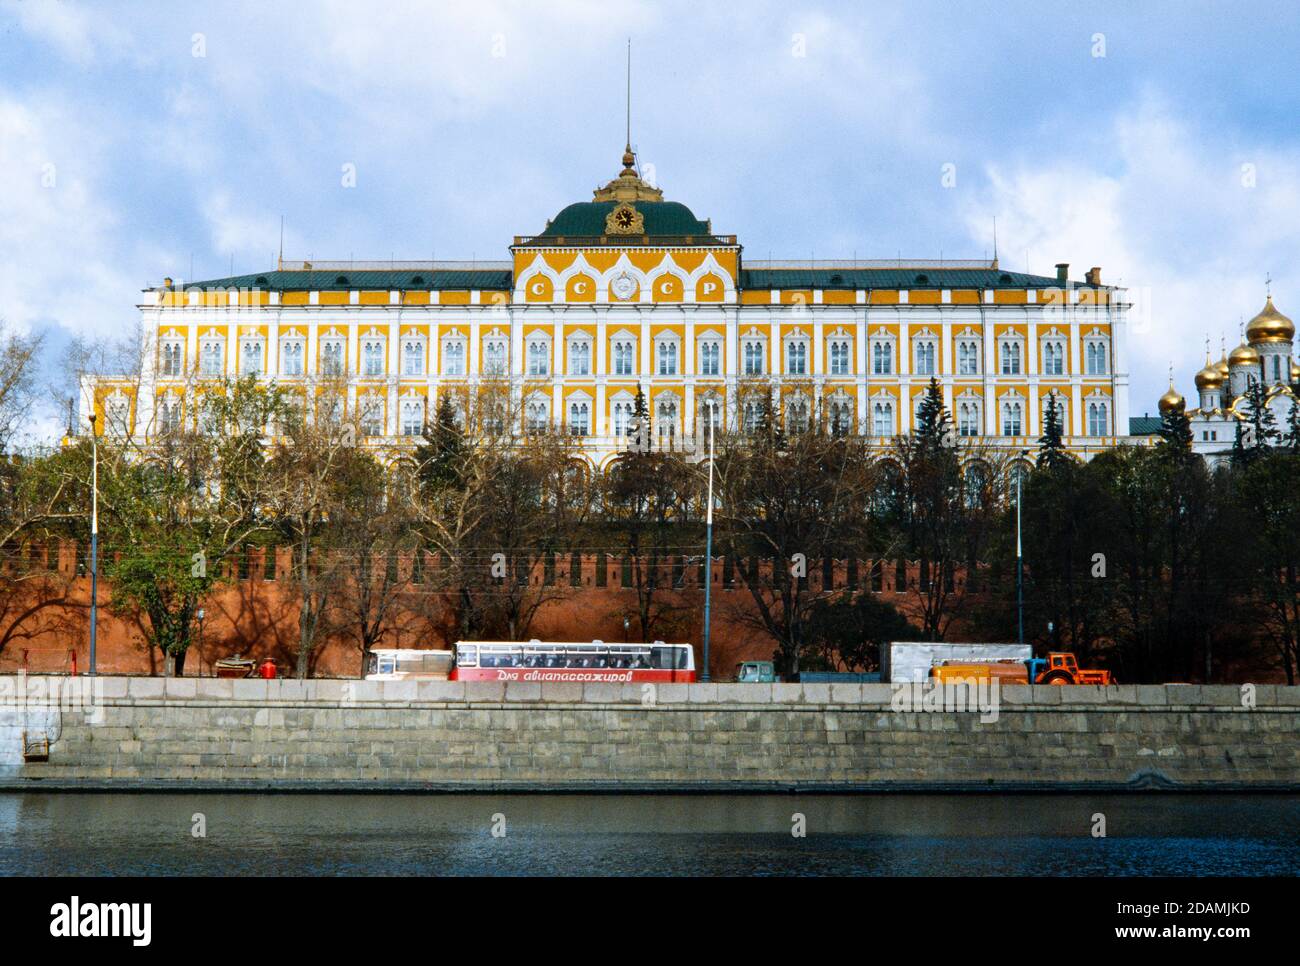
1062	272
1094	276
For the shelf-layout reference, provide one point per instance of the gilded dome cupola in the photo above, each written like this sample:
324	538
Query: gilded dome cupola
1270	325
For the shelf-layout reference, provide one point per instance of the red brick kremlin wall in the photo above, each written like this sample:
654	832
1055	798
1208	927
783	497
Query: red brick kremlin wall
43	618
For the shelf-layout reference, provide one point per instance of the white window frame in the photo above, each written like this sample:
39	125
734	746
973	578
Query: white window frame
416	360
454	351
925	351
839	355
1096	355
710	366
173	357
333	356
668	355
881	354
968	356
247	343
796	355
578	355
379	345
1053	349
212	350
1011	351
537	352
882	417
293	348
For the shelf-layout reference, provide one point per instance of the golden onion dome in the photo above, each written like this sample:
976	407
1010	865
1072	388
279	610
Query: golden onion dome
1222	367
1171	400
1210	377
1295	371
1243	355
1270	326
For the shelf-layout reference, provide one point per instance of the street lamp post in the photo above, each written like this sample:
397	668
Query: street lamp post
94	539
1020	566
708	551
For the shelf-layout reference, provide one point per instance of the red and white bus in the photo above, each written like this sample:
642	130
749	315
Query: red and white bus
592	662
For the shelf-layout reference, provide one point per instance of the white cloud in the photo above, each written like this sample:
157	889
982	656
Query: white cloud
1160	204
81	34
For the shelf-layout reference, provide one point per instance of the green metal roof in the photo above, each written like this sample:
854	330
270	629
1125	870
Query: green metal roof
344	280
1143	425
891	278
665	218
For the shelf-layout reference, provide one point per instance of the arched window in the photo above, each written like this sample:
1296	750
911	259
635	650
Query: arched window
412	417
710	358
882	358
538	355
580	358
494	357
753	357
372	357
968	418
968	356
413	356
796	415
453	358
372	415
667	352
1010	358
666	419
710	415
210	358
291	357
1098	419
624	358
535	416
1011	419
882	419
331	357
841	416
250	357
172	354
579	419
925	356
839	351
796	356
1053	358
622	417
1095	357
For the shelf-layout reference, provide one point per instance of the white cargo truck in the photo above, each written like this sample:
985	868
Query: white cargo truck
904	661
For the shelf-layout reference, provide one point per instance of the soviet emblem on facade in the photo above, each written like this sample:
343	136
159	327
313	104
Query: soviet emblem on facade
622	286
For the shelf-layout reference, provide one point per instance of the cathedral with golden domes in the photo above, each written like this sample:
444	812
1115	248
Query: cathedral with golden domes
1265	357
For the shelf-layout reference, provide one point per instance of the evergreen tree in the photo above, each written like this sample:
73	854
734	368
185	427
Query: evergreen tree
933	421
441	452
640	425
1051	446
1176	432
1292	438
1258	430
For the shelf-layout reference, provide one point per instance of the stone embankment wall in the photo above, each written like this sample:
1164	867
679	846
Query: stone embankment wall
132	733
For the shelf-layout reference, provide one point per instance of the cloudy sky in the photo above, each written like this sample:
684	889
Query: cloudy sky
1158	141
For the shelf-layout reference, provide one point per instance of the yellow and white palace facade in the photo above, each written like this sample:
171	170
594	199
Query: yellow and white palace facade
627	292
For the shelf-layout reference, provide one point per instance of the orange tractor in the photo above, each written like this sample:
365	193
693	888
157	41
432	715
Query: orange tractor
1057	668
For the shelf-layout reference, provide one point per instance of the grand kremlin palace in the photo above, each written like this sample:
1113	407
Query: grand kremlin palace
630	291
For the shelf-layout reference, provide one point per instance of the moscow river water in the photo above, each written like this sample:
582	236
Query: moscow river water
46	834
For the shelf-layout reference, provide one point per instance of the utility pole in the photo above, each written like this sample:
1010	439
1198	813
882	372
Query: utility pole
708	550
94	539
1020	563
